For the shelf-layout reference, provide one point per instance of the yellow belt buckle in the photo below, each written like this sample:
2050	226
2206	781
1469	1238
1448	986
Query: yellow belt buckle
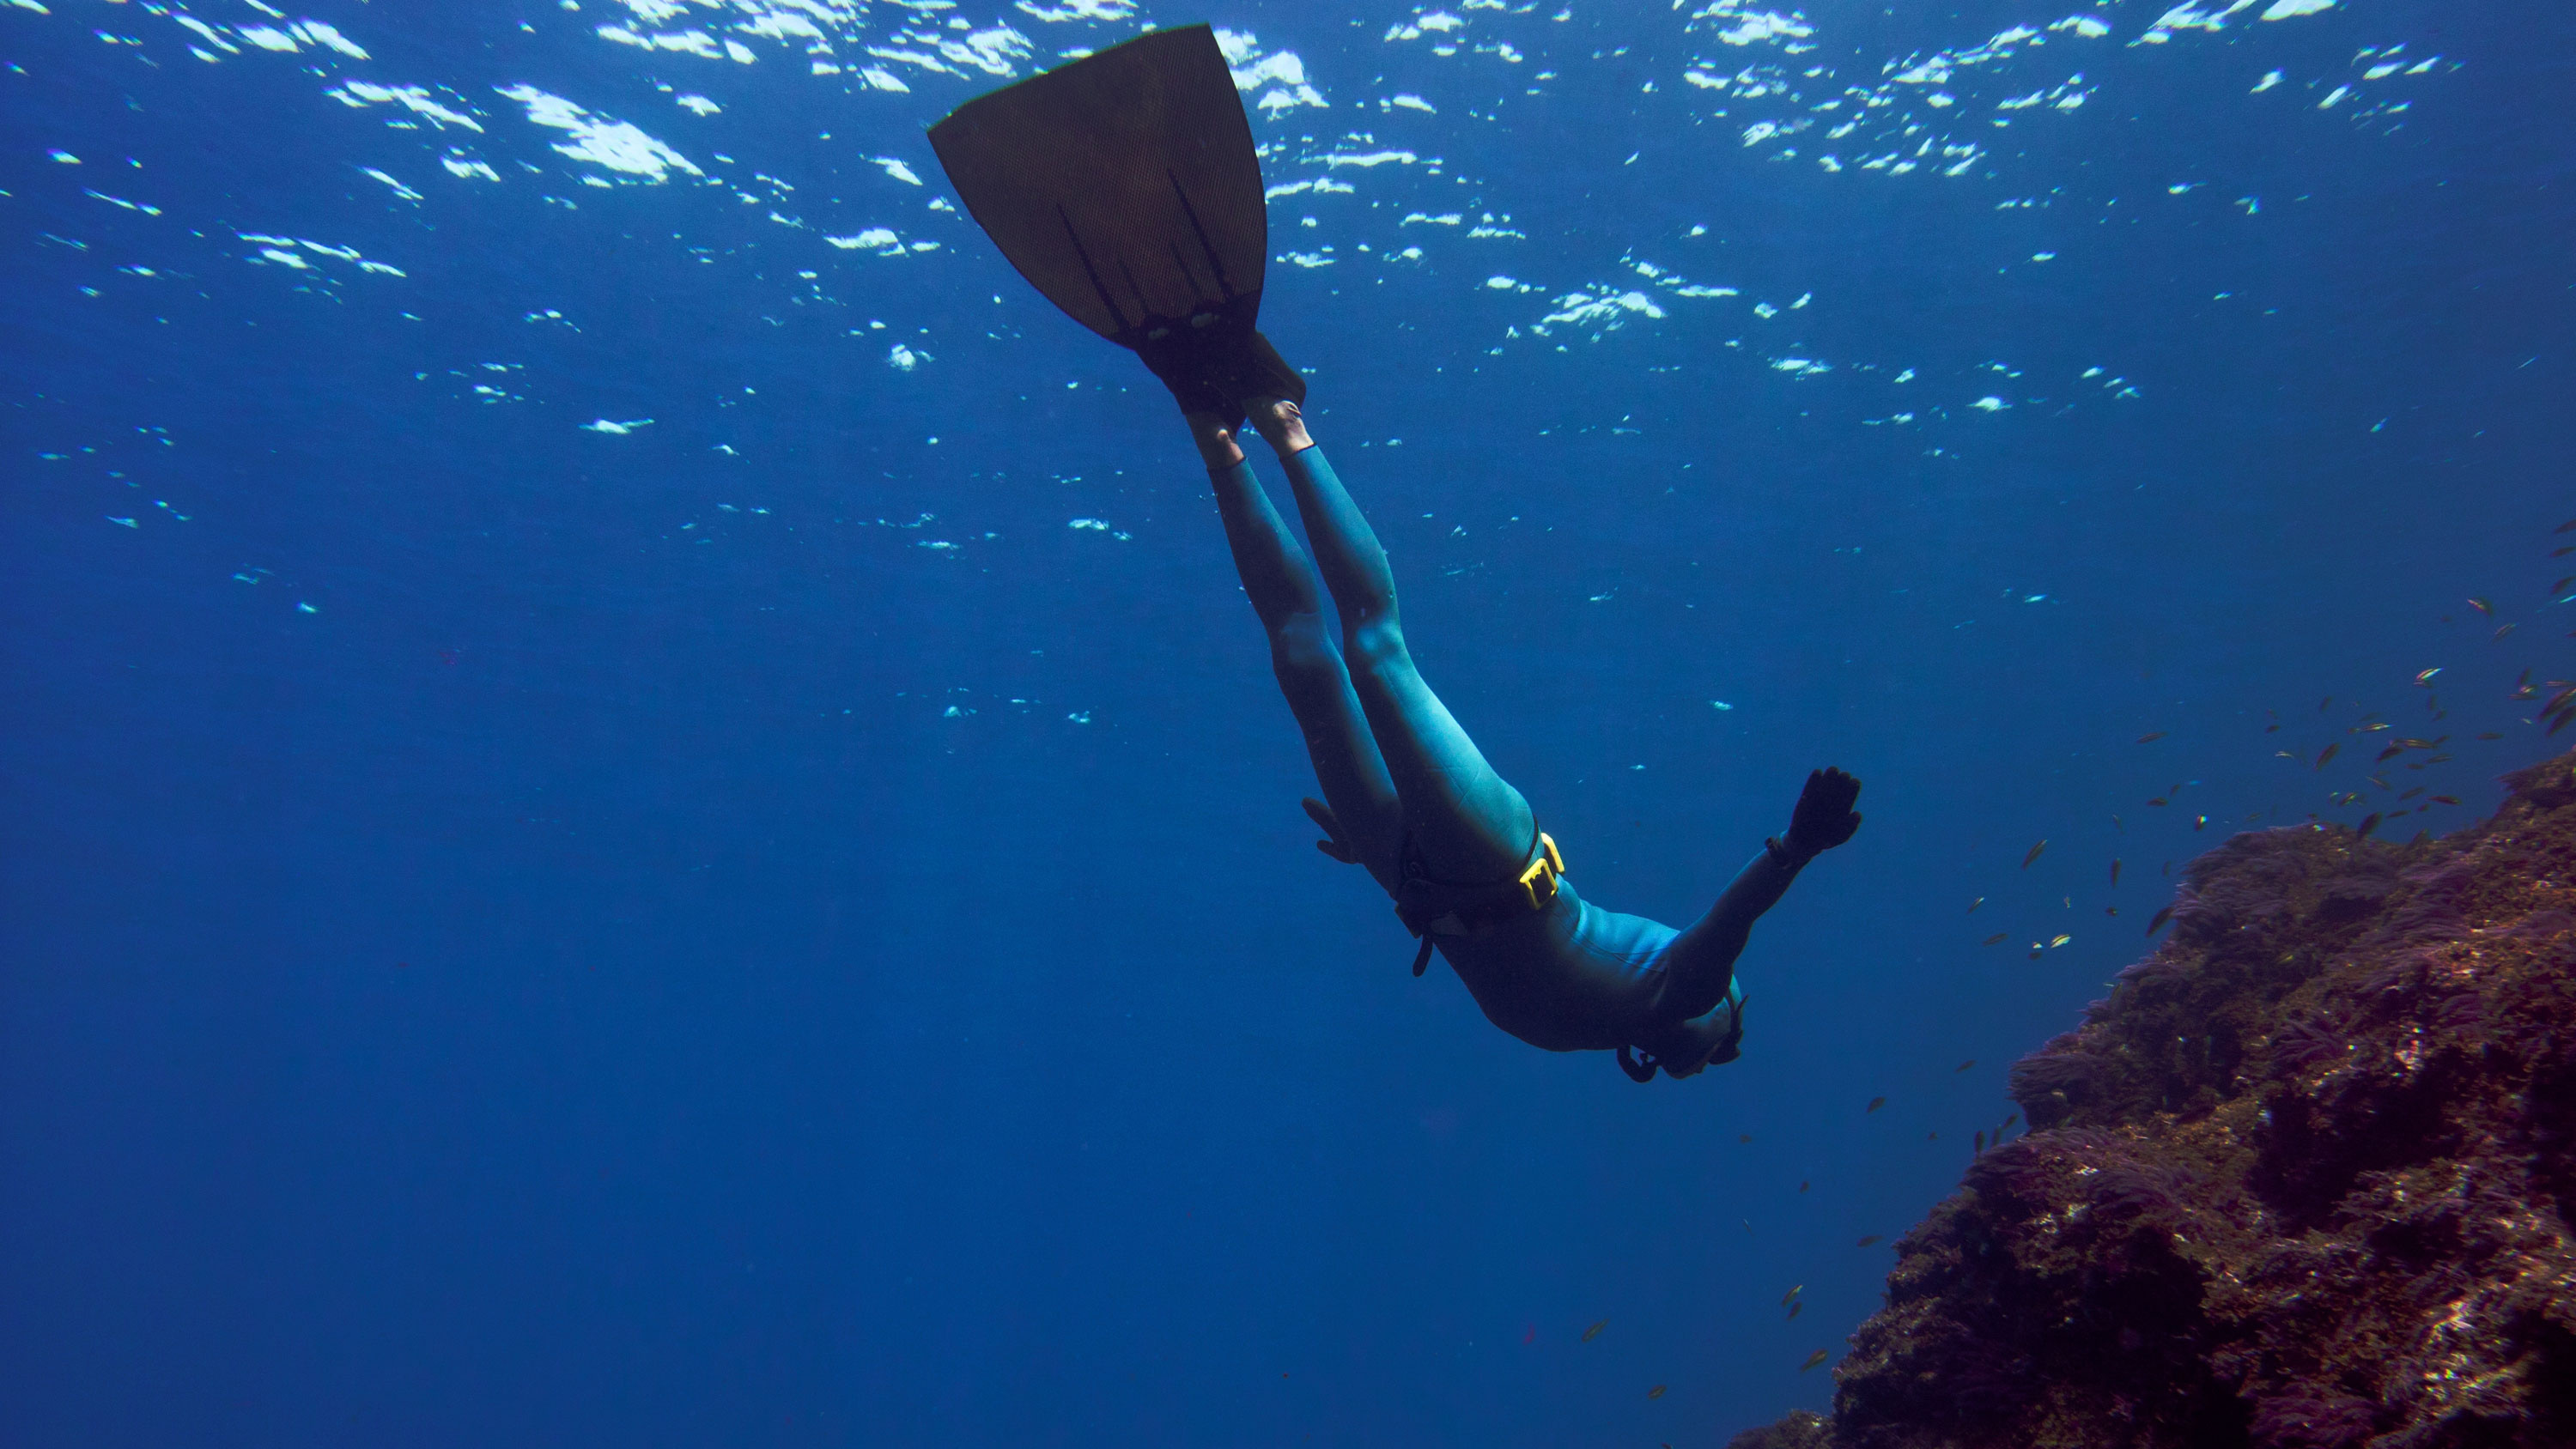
1549	865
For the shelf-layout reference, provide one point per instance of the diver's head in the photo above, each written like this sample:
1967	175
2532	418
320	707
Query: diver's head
1679	1048
1688	1048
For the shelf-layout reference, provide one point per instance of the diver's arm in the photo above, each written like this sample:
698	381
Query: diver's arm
1700	964
1756	888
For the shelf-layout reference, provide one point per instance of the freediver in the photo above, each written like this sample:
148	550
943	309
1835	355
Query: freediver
1126	188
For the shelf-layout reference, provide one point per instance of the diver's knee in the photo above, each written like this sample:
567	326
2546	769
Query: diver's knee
1301	647
1376	645
1301	634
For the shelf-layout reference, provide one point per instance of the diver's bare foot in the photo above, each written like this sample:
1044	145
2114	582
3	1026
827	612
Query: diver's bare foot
1280	424
1215	438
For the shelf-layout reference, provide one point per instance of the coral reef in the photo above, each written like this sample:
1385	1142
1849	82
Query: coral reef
2305	1180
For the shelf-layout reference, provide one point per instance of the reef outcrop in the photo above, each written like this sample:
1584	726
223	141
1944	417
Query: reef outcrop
2304	1180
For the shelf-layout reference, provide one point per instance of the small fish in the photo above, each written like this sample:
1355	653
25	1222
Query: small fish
2446	800
1872	1239
1813	1359
2110	910
2158	923
1980	1148
1594	1331
2151	737
2392	752
1963	1066
1792	1295
2327	754
2160	801
1874	1104
1743	1136
1656	1392
2115	872
1802	1187
2482	606
2568	527
2425	676
2057	941
2503	630
2035	949
2008	1121
2200	822
1794	1310
1997	936
1972	905
2033	855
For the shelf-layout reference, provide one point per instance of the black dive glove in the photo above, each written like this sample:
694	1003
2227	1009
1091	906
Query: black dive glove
1824	817
1213	364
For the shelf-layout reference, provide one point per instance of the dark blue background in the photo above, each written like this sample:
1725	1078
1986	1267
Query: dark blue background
578	984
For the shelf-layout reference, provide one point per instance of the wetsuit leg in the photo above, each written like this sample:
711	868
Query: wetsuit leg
1281	584
1469	823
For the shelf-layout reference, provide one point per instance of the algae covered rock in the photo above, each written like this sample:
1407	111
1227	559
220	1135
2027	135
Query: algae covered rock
2305	1180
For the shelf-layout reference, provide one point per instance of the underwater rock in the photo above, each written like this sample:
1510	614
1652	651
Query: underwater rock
2305	1180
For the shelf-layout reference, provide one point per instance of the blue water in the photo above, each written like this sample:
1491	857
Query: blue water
755	928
